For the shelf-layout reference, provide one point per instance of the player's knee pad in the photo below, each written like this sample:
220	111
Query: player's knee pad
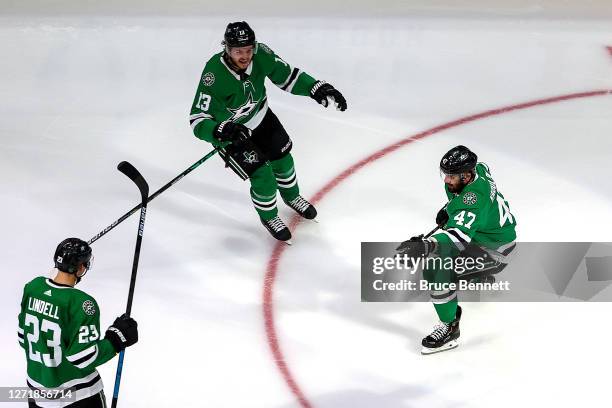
284	171
284	164
429	275
263	181
438	275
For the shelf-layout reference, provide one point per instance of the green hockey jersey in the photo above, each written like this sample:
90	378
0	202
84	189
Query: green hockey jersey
59	330
479	214
224	95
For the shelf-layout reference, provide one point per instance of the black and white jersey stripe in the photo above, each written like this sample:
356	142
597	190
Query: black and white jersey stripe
84	358
291	79
441	297
287	182
83	388
197	118
456	238
460	235
263	204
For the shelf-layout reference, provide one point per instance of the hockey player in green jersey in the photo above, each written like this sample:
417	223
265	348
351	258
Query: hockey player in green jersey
59	330
475	223
230	110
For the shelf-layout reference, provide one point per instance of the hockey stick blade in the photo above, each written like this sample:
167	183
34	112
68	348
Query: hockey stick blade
134	175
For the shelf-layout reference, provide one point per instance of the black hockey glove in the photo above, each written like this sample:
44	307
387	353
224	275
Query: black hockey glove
323	93
123	333
415	247
442	217
231	132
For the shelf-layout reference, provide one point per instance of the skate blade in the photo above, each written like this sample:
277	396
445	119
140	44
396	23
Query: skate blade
288	242
448	346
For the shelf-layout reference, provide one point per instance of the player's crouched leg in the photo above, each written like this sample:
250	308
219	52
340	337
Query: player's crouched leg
263	192
276	144
263	195
446	334
284	171
443	295
247	160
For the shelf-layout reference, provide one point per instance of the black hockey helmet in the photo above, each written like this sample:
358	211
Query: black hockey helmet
458	160
238	34
71	253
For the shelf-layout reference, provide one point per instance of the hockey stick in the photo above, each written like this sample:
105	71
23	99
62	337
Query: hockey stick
424	237
432	231
130	171
158	192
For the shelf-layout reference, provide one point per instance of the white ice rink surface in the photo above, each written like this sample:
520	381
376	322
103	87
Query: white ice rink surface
80	94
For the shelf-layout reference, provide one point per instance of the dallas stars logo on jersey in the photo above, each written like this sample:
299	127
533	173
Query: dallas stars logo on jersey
244	110
250	157
470	198
208	79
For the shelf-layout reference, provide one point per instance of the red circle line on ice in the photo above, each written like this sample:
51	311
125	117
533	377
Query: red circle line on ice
279	248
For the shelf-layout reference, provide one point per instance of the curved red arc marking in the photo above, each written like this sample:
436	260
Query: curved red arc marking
279	248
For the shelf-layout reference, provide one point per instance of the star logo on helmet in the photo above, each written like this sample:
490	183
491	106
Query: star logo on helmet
244	110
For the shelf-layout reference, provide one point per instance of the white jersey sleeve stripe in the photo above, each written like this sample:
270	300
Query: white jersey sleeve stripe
197	122
200	115
82	354
453	238
89	360
292	84
462	234
284	84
